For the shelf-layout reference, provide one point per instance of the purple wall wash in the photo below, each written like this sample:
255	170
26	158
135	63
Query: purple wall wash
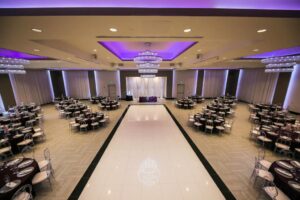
126	51
221	4
21	55
279	52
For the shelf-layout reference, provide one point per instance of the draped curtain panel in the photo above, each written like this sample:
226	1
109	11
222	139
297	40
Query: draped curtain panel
77	84
189	79
293	93
256	86
137	86
34	86
214	83
103	78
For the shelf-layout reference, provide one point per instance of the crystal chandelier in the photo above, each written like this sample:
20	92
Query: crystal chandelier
12	65
148	61
281	64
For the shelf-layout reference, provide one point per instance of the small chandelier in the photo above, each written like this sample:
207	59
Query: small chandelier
281	64
12	65
148	61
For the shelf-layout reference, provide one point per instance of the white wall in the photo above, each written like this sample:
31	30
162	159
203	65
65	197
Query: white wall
103	78
189	78
292	99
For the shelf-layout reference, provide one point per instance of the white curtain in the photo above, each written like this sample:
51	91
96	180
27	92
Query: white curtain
256	86
293	93
34	86
188	78
214	83
137	86
77	84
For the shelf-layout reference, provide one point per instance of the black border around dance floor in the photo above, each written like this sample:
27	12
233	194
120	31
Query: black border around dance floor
221	185
84	179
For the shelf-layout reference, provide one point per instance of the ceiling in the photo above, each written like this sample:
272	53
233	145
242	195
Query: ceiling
227	4
73	40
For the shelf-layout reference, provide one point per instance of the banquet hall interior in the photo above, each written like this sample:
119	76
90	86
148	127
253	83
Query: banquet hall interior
165	100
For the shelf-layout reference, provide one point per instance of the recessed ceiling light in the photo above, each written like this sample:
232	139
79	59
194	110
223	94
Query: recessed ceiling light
261	30
37	50
95	50
69	58
187	30
255	50
113	29
37	30
199	50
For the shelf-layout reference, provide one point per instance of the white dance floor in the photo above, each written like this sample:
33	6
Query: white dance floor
149	158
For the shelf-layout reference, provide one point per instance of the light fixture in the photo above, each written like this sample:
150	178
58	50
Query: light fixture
37	50
187	30
199	50
148	71
148	76
12	65
148	61
261	30
281	63
113	29
37	30
255	50
95	50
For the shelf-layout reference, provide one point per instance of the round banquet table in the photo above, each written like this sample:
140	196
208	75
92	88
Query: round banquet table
282	181
7	192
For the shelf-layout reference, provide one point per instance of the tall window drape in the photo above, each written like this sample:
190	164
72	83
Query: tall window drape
34	86
214	83
256	86
138	86
77	84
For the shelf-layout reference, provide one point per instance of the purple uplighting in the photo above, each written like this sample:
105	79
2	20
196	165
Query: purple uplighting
215	4
20	55
275	53
126	51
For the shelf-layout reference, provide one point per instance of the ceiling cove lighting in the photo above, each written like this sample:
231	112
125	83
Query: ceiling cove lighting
261	30
37	30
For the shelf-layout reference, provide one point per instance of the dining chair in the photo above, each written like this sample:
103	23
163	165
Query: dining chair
24	193
273	192
5	149
28	150
27	141
46	163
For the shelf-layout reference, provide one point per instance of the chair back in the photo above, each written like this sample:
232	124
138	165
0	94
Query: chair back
47	154
25	188
28	136
5	143
27	149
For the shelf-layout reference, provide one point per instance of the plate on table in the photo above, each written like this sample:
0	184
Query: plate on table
10	186
295	163
25	163
25	172
294	185
283	172
284	164
14	162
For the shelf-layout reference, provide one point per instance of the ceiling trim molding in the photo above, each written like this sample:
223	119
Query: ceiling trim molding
148	12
